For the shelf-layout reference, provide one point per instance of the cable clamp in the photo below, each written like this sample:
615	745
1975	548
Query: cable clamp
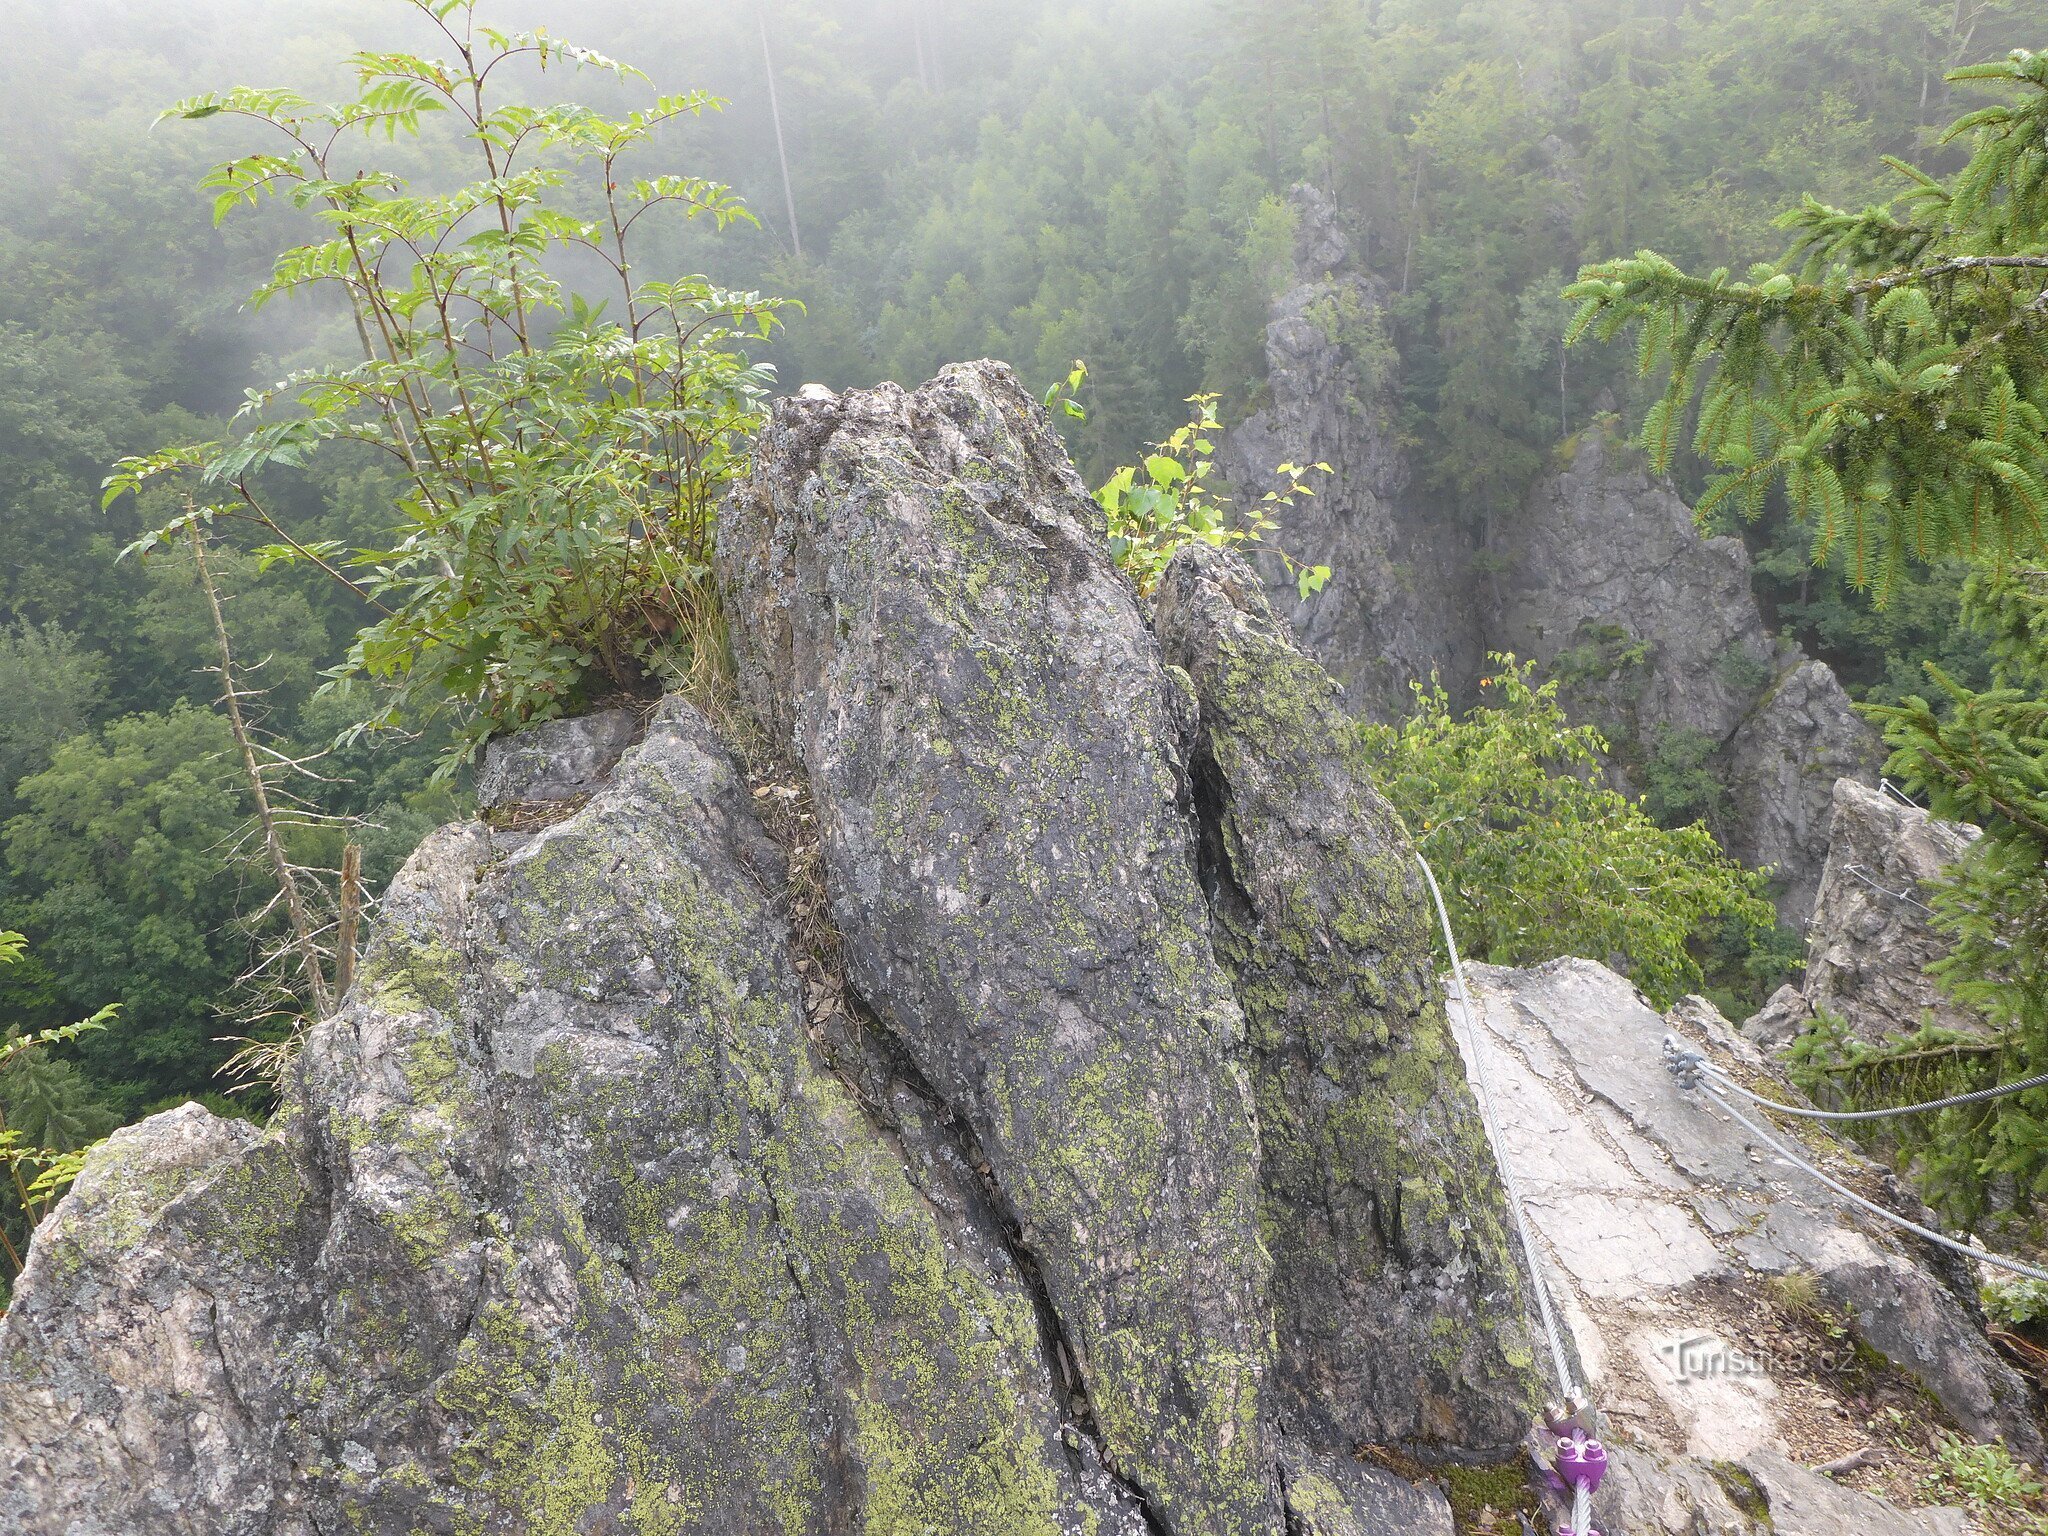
1683	1062
1581	1463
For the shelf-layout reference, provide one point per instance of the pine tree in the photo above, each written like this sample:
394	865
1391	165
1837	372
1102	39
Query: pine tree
1890	373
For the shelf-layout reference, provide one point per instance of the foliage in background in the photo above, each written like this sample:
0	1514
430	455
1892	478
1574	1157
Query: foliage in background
559	460
1539	857
1891	374
48	1118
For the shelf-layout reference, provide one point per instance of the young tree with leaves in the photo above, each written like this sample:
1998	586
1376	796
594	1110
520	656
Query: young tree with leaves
561	456
1541	857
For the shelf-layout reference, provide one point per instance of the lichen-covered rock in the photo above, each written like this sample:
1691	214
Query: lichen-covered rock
1802	739
924	609
1397	1296
1675	1231
566	1230
138	1370
562	760
1341	1495
1872	941
1762	1494
570	1225
1399	606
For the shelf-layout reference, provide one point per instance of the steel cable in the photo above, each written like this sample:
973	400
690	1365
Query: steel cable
1559	1360
1997	1260
1982	1094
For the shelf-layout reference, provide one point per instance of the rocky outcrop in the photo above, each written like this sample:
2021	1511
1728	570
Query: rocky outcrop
1781	1019
926	611
1704	1276
1002	764
560	766
1758	1494
1803	738
1655	633
566	1229
565	1223
1604	577
1382	1203
1612	585
1399	607
1872	942
1051	1129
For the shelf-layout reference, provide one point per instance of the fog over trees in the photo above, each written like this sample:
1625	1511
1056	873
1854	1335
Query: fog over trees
1041	181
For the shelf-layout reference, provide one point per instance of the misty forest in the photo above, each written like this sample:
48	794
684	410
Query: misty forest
1016	766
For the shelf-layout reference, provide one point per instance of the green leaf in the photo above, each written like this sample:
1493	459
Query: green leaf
1164	471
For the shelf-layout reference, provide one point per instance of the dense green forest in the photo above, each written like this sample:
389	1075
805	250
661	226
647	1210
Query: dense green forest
1038	180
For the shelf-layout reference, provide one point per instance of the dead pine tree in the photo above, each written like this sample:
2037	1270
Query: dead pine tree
305	963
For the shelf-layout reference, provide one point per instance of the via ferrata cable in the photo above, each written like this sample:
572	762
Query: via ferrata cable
1581	1460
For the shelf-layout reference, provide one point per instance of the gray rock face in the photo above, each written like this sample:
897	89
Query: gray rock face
1609	583
1762	1494
566	1230
1665	1217
1802	739
561	761
1399	606
1871	941
1607	560
1398	1297
1805	1503
1336	1495
987	731
1778	1023
1657	636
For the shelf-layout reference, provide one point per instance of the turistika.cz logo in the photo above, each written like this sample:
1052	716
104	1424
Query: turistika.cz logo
1704	1357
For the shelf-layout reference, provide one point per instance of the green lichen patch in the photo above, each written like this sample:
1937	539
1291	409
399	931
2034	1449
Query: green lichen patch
253	1208
951	1415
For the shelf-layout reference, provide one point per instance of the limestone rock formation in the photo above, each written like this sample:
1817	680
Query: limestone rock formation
1400	606
1872	939
1050	1129
1689	1249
